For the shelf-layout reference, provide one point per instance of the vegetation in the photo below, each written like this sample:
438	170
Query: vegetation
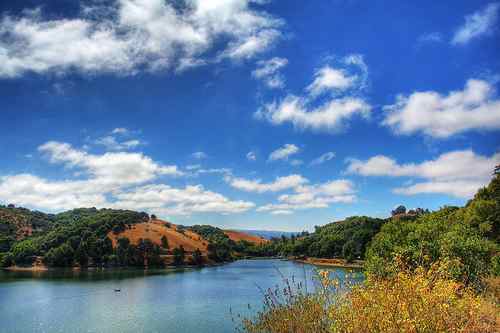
467	237
220	247
179	256
164	243
410	301
77	237
344	239
425	272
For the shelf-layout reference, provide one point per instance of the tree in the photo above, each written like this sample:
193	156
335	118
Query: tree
153	217
179	255
61	256
164	242
197	257
348	251
399	210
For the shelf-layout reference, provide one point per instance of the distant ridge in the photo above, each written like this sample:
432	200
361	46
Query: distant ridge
268	234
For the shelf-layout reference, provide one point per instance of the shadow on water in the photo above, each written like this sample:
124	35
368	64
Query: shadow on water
90	275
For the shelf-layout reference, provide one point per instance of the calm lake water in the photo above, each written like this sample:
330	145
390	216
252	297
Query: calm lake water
198	300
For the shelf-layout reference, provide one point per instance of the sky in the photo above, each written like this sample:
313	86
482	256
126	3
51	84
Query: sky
248	114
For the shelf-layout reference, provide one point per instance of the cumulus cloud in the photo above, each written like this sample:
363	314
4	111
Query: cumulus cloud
131	35
330	79
284	152
474	108
32	191
115	180
342	104
279	184
457	173
329	117
268	72
109	169
167	200
313	196
477	24
323	158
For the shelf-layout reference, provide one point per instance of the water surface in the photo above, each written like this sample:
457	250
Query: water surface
197	300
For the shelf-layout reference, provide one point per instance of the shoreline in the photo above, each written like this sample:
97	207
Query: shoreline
324	262
36	269
320	262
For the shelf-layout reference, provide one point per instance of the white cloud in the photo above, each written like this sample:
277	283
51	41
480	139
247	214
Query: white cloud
478	24
328	79
179	201
111	143
250	46
224	171
127	36
474	108
115	180
268	72
110	169
32	191
313	196
284	152
323	158
199	155
296	162
120	130
458	173
279	184
251	156
331	115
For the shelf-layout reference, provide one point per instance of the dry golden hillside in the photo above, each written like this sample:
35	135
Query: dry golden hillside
238	235
155	229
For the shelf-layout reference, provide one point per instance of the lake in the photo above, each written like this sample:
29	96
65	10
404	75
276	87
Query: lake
195	300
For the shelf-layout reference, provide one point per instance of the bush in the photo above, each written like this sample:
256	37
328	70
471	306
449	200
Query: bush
411	301
179	255
197	257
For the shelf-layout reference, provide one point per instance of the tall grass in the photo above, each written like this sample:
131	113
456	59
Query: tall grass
410	301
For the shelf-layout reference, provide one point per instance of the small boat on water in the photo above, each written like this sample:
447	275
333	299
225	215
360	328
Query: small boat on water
117	290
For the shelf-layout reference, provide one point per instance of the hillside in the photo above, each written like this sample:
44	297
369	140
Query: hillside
243	236
154	230
109	237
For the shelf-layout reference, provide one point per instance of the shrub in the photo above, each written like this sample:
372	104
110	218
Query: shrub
410	301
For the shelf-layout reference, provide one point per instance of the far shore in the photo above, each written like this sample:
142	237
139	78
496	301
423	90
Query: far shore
324	262
341	263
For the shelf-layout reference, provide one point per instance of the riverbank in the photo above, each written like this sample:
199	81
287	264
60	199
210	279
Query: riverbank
340	263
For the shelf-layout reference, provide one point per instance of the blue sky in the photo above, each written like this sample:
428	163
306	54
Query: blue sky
276	115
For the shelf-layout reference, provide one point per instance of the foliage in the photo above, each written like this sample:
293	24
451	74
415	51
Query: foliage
197	257
467	236
411	301
76	236
348	238
164	242
220	247
179	255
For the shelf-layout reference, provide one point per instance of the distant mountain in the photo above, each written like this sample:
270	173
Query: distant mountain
267	234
